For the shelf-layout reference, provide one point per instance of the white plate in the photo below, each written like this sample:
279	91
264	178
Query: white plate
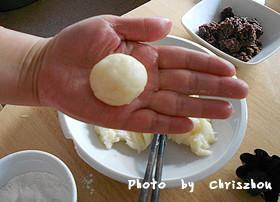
122	163
207	11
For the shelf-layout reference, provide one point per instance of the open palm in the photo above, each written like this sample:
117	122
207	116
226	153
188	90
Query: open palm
173	74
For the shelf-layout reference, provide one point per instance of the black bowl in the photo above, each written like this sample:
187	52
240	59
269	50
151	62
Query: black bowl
6	5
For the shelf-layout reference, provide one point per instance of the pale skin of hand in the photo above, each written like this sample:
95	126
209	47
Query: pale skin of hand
63	64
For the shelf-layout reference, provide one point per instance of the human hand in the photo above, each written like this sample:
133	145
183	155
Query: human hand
65	62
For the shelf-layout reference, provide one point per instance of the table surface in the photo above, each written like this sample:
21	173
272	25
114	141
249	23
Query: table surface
38	128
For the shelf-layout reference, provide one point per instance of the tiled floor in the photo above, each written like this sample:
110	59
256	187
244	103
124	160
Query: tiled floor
47	17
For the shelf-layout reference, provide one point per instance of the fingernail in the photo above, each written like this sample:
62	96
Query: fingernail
229	64
162	18
230	107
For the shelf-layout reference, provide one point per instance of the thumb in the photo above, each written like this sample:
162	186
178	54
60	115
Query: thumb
140	29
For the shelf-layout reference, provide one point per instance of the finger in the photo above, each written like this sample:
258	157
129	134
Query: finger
148	121
181	58
196	83
140	29
175	104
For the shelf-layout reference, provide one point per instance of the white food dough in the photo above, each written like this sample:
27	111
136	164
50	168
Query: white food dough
199	139
118	79
137	141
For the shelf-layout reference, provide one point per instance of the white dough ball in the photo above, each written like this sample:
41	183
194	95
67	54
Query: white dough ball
118	79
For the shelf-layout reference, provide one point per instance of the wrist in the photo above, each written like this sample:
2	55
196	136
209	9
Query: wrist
20	62
30	70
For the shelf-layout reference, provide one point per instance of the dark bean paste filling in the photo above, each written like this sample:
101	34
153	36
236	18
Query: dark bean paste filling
237	36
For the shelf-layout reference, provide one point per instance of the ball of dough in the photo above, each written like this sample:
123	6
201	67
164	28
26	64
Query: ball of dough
118	79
